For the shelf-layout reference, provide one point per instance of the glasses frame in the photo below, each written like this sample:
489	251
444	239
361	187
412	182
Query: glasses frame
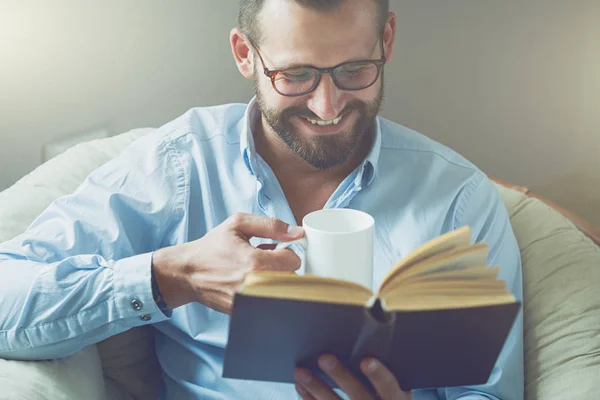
272	73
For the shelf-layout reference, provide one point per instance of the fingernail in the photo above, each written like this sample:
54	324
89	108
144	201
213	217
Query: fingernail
294	230
302	376
327	363
372	365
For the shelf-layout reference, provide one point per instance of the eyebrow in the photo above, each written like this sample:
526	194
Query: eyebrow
294	66
299	65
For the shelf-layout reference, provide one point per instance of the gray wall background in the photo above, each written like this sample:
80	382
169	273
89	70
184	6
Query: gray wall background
514	85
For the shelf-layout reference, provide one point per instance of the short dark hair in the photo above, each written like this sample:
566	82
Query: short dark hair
249	10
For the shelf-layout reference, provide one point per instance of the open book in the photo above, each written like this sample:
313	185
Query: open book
440	318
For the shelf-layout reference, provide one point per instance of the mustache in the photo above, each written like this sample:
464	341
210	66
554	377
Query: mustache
307	113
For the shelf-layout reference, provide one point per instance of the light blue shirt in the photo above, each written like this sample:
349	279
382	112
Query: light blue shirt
81	272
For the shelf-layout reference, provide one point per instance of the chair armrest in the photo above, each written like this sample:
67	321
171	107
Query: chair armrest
584	226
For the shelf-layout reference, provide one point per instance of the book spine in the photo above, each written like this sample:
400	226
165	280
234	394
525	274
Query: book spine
376	334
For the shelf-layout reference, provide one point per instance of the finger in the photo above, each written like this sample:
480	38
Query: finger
303	393
313	385
264	227
343	377
276	260
383	380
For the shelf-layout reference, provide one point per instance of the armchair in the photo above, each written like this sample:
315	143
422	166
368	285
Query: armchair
561	267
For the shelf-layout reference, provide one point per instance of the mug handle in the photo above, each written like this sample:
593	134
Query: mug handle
284	245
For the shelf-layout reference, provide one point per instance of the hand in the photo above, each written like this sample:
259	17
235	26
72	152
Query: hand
210	270
309	387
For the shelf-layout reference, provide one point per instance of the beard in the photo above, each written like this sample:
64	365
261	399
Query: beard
327	151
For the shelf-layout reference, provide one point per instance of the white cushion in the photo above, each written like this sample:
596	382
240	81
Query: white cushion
561	273
76	377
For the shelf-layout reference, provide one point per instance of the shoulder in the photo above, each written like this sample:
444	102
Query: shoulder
169	152
417	160
206	123
431	175
407	145
439	188
199	124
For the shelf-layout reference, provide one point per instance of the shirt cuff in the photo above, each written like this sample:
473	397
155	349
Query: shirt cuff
133	291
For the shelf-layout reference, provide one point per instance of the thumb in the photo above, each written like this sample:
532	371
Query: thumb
264	227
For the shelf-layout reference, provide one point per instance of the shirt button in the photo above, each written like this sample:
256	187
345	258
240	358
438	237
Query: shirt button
145	318
136	304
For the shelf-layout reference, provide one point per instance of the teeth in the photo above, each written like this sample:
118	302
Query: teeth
324	123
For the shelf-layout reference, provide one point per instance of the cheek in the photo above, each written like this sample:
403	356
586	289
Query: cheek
269	95
368	95
282	103
364	96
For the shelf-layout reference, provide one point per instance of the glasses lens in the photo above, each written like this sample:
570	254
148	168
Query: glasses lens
356	75
296	81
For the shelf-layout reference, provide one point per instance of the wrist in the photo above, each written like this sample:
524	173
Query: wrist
158	296
168	276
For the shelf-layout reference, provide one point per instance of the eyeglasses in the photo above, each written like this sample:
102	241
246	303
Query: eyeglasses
299	81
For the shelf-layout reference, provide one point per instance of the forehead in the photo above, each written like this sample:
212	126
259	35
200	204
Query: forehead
291	33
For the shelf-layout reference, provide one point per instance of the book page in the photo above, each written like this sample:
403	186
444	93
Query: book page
452	260
457	238
464	287
478	274
287	285
448	301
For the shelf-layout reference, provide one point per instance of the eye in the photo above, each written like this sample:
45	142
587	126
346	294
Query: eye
353	69
297	75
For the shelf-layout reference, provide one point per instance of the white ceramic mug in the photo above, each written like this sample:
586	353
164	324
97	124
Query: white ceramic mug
339	244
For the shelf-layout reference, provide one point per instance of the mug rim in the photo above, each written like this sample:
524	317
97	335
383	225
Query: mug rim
368	218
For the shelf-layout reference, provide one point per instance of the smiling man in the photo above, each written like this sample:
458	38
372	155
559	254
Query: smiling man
166	232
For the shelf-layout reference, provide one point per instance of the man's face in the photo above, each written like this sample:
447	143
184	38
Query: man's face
291	36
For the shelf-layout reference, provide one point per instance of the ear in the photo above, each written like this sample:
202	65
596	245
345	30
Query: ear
241	53
389	36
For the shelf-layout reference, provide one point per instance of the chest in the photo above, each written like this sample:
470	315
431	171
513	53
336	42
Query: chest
305	202
304	198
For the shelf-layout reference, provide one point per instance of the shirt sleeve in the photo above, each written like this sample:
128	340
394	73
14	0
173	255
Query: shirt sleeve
484	211
81	272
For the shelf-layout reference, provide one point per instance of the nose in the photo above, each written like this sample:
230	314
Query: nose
326	100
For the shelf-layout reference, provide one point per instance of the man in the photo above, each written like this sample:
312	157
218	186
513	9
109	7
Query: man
165	233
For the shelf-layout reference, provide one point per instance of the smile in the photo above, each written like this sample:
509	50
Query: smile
324	123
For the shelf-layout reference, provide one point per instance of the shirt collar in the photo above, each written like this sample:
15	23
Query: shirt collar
247	149
366	172
370	165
